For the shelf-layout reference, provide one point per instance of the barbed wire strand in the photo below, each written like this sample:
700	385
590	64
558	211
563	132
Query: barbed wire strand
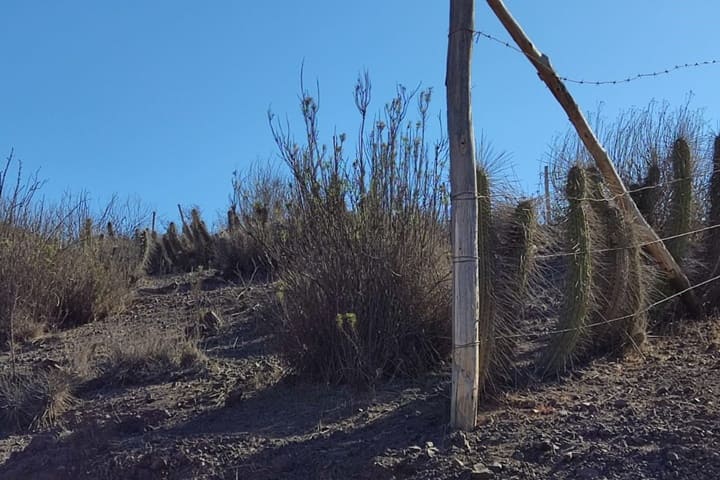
467	195
457	259
641	188
600	323
479	34
471	258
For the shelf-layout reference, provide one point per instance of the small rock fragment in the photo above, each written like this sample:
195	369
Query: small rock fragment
496	466
621	403
481	472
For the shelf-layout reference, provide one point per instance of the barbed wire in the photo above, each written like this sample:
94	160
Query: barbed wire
642	188
468	195
471	258
629	247
480	34
595	324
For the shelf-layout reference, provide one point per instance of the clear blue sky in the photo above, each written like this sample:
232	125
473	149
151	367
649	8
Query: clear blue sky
164	99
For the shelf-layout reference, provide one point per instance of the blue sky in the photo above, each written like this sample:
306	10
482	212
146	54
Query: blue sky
163	99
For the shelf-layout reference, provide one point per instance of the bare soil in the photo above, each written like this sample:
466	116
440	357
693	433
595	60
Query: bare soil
652	416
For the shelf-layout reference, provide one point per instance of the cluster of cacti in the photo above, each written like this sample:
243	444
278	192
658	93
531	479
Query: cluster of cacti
506	250
173	252
619	276
605	290
200	237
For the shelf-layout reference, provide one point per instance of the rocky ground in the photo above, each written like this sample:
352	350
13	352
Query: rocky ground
652	416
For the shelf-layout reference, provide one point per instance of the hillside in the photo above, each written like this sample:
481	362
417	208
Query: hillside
241	414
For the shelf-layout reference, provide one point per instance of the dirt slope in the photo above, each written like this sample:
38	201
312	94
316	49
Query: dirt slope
651	417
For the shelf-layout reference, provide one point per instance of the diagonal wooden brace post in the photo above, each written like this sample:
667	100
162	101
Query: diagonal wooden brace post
652	242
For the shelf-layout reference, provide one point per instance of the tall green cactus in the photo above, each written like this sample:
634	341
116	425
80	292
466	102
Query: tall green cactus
679	221
617	277
171	244
577	300
525	225
153	262
636	296
714	213
514	264
200	232
233	220
713	236
86	233
652	194
486	317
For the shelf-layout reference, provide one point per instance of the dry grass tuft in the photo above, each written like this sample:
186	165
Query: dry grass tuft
34	400
150	359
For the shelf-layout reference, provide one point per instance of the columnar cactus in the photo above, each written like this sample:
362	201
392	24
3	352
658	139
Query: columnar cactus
681	200
577	301
486	318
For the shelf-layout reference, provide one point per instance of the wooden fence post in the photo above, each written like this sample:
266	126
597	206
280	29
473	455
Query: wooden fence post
465	377
652	242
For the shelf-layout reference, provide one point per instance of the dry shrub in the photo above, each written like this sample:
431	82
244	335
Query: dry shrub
34	400
55	269
255	223
238	256
150	358
93	280
363	257
50	285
